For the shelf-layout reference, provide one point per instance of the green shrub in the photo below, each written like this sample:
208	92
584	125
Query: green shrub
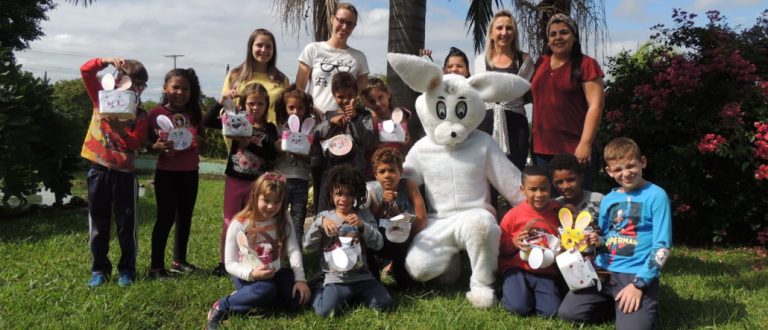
697	105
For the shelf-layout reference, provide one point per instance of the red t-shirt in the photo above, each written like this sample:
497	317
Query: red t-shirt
180	160
559	106
513	222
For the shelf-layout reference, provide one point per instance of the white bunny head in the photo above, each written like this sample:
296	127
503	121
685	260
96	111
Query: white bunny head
234	123
451	106
299	139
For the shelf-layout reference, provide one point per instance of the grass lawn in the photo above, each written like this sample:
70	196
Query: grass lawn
45	264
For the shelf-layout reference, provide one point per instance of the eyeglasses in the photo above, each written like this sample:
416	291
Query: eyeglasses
328	67
345	22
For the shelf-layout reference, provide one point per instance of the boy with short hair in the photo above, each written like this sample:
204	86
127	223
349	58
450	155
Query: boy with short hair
111	146
636	225
568	178
348	119
526	290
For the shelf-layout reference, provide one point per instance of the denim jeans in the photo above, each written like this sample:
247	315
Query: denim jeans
298	190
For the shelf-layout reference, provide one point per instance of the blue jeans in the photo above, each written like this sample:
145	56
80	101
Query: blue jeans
524	293
274	292
298	191
328	298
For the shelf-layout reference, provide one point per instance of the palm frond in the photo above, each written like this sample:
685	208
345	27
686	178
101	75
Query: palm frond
86	3
478	16
298	15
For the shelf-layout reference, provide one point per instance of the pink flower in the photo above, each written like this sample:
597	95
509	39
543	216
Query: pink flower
761	173
711	143
732	112
682	208
762	236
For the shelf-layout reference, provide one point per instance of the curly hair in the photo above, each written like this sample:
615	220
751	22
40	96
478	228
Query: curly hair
349	178
566	162
387	155
292	91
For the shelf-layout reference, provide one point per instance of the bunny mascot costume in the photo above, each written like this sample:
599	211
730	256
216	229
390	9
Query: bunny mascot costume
456	163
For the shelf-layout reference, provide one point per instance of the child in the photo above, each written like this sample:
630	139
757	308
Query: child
111	145
393	195
346	191
348	119
376	97
636	222
456	61
259	66
176	175
248	157
265	225
295	167
567	176
526	290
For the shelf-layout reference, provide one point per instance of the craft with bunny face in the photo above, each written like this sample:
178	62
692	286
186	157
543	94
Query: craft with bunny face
299	139
456	163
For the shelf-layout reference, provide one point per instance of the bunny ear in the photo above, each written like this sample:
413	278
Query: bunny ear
164	122
293	123
307	125
108	82
242	241
583	220
566	217
125	83
397	115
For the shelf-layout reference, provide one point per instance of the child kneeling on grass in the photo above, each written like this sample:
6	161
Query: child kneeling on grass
341	235
255	245
635	221
527	290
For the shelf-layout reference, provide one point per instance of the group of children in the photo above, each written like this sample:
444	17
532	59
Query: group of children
263	183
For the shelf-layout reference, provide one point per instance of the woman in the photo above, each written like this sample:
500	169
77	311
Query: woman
568	98
506	121
320	61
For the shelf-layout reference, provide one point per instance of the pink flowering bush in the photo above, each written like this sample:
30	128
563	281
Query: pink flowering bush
696	101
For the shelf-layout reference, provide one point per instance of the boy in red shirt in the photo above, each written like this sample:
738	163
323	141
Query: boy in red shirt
526	290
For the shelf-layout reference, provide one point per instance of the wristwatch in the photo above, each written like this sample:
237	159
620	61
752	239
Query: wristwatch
639	283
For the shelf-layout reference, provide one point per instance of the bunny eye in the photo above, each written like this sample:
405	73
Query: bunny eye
461	109
441	112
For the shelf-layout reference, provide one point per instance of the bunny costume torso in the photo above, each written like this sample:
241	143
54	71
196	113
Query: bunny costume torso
456	163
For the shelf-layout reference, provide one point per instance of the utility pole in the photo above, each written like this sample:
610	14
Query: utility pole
174	58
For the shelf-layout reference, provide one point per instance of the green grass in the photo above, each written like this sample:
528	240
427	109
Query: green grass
45	263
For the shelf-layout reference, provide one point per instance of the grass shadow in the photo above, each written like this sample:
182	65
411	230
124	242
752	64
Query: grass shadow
678	312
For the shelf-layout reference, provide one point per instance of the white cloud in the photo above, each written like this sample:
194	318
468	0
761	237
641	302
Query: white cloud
714	4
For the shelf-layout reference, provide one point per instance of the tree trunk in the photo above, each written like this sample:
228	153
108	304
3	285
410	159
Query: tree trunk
406	35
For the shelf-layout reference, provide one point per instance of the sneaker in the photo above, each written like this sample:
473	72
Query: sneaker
220	270
182	267
125	279
215	316
159	274
97	279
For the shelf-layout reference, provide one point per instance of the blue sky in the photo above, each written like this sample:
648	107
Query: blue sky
211	35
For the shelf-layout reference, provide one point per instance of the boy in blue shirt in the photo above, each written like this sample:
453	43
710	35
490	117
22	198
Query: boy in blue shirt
636	224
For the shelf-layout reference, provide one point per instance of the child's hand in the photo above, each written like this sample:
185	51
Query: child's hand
594	239
629	299
389	195
264	272
117	62
330	227
350	112
339	120
426	52
231	94
354	220
302	289
519	240
163	146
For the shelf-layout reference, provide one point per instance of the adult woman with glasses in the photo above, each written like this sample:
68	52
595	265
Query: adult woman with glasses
320	61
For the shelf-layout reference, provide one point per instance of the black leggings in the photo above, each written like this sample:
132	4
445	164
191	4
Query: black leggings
175	194
518	134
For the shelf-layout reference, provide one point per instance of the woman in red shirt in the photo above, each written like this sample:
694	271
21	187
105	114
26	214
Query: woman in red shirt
568	96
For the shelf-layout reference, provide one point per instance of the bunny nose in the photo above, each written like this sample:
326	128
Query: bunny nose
453	134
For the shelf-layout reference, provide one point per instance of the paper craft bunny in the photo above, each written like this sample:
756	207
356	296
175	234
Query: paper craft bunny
235	123
540	246
257	255
118	103
393	130
181	136
299	139
457	163
572	233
